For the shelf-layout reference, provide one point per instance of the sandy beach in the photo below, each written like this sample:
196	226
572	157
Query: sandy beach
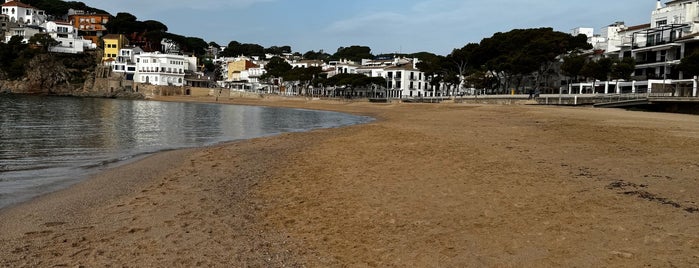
425	185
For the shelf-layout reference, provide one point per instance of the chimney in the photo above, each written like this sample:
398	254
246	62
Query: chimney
658	5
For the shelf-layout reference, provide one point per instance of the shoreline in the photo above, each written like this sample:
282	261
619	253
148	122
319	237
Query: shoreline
422	185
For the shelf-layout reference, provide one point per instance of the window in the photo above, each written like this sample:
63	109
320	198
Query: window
29	12
661	23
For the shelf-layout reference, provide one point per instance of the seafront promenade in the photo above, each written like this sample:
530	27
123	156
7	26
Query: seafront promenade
426	185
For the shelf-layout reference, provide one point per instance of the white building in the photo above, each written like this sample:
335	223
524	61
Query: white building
67	37
403	79
161	69
343	67
25	32
610	38
307	63
22	13
126	62
406	81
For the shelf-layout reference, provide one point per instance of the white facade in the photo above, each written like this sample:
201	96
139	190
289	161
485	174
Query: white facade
611	39
160	69
23	13
344	67
190	63
126	62
67	37
406	81
589	32
677	12
25	32
306	63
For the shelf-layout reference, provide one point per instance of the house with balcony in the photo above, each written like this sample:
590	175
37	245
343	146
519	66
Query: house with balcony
406	81
155	68
90	26
658	47
67	37
112	44
22	13
403	79
125	62
241	73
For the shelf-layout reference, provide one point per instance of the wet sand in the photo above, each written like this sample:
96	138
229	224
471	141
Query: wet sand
426	185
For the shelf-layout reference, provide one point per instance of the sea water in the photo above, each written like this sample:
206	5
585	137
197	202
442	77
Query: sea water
49	143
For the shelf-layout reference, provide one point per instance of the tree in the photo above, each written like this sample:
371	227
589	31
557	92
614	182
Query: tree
459	59
277	67
152	25
235	49
124	23
44	40
320	55
353	53
622	69
597	70
433	66
58	8
521	54
689	65
572	65
303	76
278	51
354	81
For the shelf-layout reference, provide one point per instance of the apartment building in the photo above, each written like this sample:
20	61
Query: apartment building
90	26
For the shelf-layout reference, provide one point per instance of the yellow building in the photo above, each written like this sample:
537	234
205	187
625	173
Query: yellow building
236	67
112	44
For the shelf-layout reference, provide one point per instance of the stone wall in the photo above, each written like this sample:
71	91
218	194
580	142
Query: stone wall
150	91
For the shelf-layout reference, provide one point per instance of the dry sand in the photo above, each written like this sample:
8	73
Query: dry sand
426	185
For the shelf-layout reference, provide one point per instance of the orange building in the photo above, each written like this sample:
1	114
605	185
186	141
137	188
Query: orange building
90	26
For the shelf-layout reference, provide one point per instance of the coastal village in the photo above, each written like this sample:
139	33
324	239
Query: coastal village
171	151
129	64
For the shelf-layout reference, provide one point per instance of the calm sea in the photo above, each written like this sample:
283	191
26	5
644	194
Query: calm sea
49	143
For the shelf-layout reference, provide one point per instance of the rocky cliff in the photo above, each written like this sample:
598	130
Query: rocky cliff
66	75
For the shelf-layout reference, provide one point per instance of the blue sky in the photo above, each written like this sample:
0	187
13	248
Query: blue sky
387	26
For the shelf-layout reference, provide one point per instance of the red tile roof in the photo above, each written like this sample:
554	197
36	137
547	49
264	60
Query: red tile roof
17	4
